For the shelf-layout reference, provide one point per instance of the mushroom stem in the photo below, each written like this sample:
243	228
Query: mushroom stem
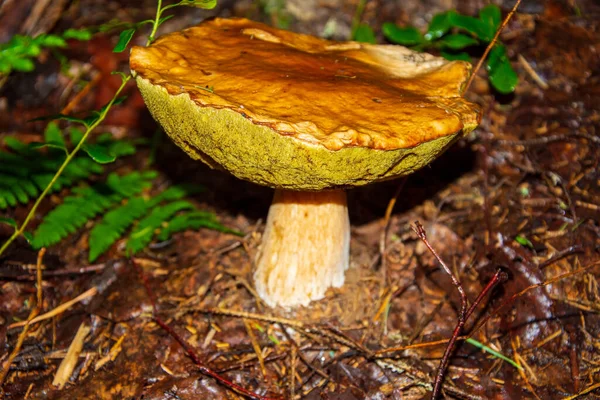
305	247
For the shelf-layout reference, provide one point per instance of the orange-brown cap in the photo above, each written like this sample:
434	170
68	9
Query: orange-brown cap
294	111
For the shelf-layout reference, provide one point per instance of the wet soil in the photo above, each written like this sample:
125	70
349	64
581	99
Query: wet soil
520	194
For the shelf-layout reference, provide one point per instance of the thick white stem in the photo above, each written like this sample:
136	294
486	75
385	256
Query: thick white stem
305	247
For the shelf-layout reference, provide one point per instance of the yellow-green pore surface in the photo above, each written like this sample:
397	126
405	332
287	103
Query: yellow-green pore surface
296	112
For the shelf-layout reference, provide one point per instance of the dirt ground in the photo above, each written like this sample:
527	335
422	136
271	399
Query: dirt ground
521	195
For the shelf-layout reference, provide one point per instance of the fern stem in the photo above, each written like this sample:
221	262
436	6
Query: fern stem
18	232
155	25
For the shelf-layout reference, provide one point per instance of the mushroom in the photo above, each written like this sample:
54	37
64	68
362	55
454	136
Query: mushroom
308	117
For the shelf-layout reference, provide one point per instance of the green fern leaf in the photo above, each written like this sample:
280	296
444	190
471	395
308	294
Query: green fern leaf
7	198
54	134
175	192
143	233
86	203
117	221
114	224
193	220
29	168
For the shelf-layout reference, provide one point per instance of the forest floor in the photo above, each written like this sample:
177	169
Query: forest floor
520	194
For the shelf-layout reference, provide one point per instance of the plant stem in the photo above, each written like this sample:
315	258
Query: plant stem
490	46
159	11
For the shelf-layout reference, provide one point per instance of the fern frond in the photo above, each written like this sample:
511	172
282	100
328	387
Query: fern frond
175	192
193	220
27	170
143	233
114	224
86	203
117	221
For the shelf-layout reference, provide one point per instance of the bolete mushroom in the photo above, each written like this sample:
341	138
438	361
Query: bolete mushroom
308	117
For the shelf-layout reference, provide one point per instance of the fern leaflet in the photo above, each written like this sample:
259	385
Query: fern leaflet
114	224
85	203
117	221
143	233
193	220
28	169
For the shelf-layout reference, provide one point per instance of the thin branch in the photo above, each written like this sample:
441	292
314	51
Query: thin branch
490	46
54	273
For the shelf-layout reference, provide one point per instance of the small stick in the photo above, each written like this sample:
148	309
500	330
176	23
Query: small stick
67	365
490	46
57	272
58	310
256	347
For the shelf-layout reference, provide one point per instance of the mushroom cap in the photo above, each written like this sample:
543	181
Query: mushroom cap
293	111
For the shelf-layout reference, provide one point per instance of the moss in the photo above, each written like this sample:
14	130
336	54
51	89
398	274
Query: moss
224	138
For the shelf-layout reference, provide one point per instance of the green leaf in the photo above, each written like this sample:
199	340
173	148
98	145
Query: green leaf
193	220
175	192
5	66
470	24
491	16
9	221
114	224
22	64
501	73
364	34
77	34
18	147
52	41
523	241
7	198
408	36
124	39
86	203
504	78
439	26
53	134
456	56
76	135
51	144
143	233
206	4
98	153
117	221
457	41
